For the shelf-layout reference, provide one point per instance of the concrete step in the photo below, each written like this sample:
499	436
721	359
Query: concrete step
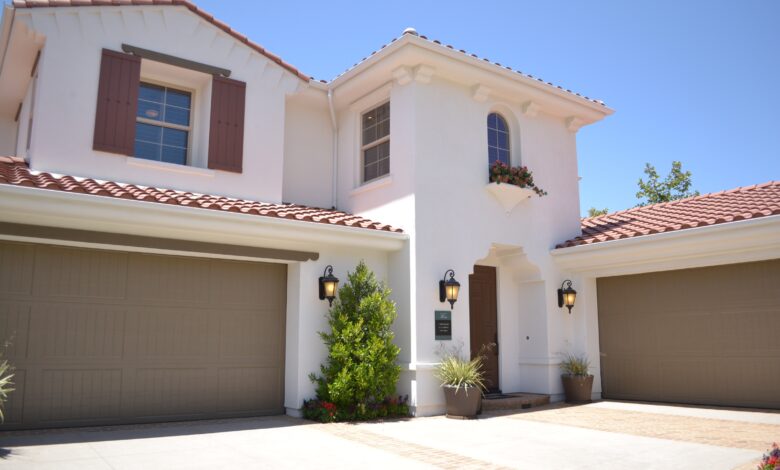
514	401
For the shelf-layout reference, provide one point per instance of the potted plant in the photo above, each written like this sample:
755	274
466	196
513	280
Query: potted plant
577	381
463	384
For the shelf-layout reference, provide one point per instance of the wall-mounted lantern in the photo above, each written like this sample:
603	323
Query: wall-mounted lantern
566	295
328	285
449	288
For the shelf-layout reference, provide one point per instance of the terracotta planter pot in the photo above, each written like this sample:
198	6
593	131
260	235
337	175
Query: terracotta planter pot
577	388
463	404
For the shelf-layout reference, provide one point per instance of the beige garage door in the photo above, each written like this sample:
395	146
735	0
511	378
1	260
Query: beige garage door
703	336
113	337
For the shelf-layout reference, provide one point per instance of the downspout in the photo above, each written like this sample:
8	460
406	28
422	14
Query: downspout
335	163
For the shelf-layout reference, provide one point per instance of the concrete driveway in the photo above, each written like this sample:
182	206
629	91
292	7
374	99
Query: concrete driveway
602	435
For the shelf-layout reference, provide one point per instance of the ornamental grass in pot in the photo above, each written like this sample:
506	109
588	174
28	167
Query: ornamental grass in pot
463	384
576	378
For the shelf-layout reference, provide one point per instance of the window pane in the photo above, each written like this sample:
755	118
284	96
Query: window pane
151	93
383	129
500	123
146	150
384	167
177	116
369	119
503	155
174	155
369	172
383	150
148	132
383	112
149	110
370	156
369	135
492	155
492	138
491	120
503	141
175	137
177	98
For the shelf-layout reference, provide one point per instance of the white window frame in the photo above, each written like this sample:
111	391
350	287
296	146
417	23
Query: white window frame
374	143
189	129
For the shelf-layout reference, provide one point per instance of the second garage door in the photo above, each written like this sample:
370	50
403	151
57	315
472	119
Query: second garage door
103	337
703	336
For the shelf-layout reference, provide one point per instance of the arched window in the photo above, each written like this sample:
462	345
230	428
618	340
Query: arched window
498	139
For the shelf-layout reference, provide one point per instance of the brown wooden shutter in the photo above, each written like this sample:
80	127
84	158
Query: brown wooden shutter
117	102
226	134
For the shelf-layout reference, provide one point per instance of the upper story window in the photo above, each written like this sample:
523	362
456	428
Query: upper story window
376	142
498	139
162	128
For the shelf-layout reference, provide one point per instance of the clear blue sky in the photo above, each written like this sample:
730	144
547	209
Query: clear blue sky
695	81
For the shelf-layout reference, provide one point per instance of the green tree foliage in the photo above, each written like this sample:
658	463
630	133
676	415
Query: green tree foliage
676	185
360	368
593	212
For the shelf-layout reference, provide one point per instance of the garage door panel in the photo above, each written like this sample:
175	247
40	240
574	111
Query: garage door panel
168	280
168	333
105	337
249	388
78	395
239	331
230	288
76	331
14	329
14	407
79	273
709	336
18	262
173	392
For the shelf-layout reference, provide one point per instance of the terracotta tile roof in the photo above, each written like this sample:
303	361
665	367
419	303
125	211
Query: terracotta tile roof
473	56
748	202
185	3
14	171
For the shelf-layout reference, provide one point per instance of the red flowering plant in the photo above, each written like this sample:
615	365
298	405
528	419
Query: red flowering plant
771	460
328	412
520	176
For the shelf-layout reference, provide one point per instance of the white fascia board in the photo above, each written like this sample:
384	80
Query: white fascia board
36	206
734	242
479	63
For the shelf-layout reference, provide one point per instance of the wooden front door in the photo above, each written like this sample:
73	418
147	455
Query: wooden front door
483	320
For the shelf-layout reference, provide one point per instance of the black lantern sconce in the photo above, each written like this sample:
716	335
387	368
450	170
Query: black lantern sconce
566	295
328	285
449	288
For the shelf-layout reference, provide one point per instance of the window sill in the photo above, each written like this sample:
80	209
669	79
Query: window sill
509	195
371	185
172	167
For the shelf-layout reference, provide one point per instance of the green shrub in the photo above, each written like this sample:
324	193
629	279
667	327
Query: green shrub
6	385
360	371
327	412
575	364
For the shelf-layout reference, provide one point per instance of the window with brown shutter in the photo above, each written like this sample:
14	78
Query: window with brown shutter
226	133
120	75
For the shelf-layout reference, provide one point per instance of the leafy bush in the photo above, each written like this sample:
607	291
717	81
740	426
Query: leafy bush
360	372
328	412
6	385
520	176
455	371
575	364
771	460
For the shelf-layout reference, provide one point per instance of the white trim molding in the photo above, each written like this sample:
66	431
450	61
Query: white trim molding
733	242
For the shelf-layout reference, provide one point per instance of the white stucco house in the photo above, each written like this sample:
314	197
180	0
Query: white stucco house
170	193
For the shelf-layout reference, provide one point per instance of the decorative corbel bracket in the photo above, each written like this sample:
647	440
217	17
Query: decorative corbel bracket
531	109
403	75
480	93
573	123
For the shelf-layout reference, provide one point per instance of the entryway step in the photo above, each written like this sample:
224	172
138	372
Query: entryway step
513	401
